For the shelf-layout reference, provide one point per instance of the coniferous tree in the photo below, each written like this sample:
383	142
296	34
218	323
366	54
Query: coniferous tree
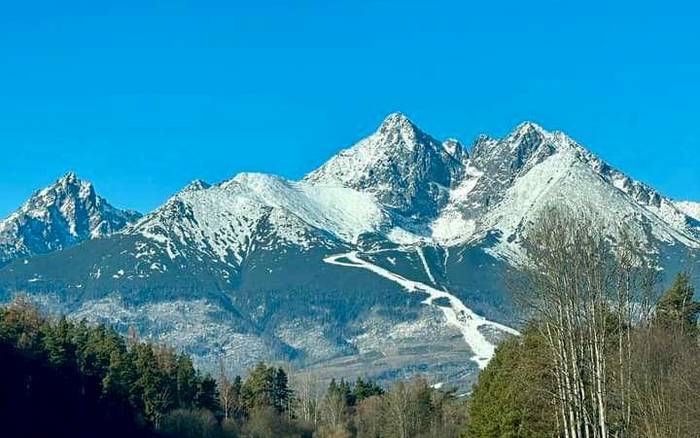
119	376
236	389
257	388
281	394
58	343
510	398
22	326
153	394
677	308
346	393
207	396
363	390
186	381
71	377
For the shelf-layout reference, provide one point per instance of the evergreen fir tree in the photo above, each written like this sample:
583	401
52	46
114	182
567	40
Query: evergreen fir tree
236	390
677	308
257	388
58	343
186	381
281	393
363	390
510	397
207	396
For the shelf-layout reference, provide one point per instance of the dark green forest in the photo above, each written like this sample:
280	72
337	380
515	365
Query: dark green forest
65	378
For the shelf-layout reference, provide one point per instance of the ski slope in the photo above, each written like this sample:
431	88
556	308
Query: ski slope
457	314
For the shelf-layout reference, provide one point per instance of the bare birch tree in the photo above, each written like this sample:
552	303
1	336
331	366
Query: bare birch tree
309	395
587	291
226	395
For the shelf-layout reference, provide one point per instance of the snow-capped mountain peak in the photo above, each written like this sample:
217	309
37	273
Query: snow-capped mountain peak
399	130
530	130
69	177
58	216
405	168
195	185
511	180
396	120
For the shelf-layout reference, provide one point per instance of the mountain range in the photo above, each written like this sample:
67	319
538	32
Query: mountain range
387	260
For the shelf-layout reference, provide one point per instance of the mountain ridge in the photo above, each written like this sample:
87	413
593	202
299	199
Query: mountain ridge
259	266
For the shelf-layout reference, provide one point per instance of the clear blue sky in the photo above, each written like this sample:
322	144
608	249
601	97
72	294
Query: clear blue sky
141	97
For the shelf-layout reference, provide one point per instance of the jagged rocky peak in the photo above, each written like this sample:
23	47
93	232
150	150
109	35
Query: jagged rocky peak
527	137
405	168
69	194
196	185
528	131
482	143
399	130
398	134
455	149
58	216
69	178
67	185
396	120
511	153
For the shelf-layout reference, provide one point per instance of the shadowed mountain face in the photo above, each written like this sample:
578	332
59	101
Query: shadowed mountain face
390	258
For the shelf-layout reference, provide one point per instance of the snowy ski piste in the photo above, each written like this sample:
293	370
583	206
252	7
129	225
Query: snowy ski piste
457	314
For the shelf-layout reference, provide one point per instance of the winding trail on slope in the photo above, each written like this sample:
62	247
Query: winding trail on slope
419	250
457	314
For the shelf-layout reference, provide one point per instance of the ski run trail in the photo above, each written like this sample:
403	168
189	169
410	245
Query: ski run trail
457	314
